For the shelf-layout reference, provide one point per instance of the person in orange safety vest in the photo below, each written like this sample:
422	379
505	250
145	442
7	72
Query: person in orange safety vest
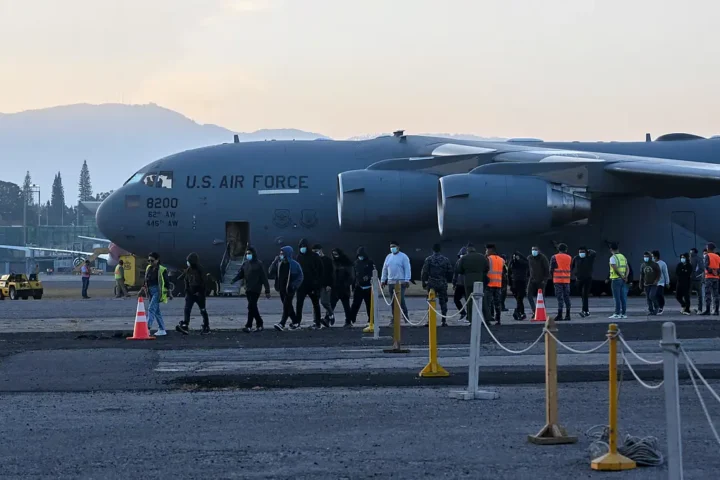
495	280
560	268
712	280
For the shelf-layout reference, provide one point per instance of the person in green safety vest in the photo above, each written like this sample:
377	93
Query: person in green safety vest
618	279
156	282
121	289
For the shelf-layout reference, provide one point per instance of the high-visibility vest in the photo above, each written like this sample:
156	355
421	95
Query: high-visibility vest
161	283
713	269
119	273
621	267
562	273
495	273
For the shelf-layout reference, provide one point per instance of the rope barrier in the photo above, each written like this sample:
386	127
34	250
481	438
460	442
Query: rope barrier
515	352
697	372
688	362
643	451
573	350
644	360
640	381
448	317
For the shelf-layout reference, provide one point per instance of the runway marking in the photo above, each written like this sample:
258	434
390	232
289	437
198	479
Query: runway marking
279	191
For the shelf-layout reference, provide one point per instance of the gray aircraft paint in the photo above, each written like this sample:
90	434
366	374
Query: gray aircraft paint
289	190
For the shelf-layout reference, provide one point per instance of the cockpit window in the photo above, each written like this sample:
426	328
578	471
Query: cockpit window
164	180
135	178
149	179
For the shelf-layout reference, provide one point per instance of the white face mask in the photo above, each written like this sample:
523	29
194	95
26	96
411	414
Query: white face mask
188	263
582	255
361	258
393	249
249	256
534	253
303	250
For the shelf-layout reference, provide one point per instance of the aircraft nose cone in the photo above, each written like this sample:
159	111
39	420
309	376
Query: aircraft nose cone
105	217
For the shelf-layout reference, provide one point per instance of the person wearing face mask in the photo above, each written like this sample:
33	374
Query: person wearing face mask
582	268
396	269
620	277
474	267
684	274
560	269
650	275
253	272
664	280
698	279
539	275
311	287
288	275
326	285
712	278
518	271
343	281
458	282
156	286
437	271
363	271
194	294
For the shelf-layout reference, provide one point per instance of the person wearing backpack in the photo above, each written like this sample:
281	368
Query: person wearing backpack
194	294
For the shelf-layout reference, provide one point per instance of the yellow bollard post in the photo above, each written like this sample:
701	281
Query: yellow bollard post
371	322
552	433
433	369
613	461
396	323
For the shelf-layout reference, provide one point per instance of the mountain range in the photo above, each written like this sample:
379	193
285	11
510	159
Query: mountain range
115	139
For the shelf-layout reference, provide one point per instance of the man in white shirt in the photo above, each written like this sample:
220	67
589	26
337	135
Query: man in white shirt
664	281
396	269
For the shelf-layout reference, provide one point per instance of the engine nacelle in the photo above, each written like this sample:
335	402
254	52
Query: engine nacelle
386	200
505	205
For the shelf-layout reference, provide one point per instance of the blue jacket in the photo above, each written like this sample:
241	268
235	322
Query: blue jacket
295	278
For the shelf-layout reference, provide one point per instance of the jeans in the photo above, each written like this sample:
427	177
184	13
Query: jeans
326	302
85	285
683	295
192	299
661	296
652	298
619	292
391	290
698	286
154	308
253	311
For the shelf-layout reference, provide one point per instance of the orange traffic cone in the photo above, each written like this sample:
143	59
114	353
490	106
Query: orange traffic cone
141	327
540	314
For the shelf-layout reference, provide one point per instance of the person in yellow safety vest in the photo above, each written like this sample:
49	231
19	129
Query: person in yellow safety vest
121	289
712	280
618	280
156	283
560	266
495	280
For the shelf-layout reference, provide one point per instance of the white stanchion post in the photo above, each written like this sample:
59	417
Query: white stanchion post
671	352
472	392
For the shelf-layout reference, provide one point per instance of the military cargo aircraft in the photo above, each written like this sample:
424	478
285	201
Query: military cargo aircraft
419	190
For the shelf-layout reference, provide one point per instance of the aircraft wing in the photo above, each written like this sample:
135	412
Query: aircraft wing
105	240
103	256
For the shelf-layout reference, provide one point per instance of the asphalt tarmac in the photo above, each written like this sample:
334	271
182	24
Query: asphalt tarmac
334	434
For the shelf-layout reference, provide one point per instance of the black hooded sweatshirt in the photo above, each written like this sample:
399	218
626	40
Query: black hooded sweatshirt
363	269
312	268
254	274
327	276
342	272
194	276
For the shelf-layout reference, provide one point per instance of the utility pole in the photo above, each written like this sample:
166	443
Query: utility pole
25	200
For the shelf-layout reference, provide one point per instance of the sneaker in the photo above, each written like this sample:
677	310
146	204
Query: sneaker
325	323
182	329
160	333
314	326
247	329
523	317
660	311
614	316
623	316
294	326
444	324
685	312
331	320
348	325
259	329
205	331
279	327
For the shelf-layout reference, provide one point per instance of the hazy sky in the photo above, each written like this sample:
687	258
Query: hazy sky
555	69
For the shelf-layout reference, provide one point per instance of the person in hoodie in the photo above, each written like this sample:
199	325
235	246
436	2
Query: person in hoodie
582	269
312	268
343	281
650	275
194	294
288	275
253	272
458	282
362	292
326	284
518	273
664	281
698	279
684	273
539	275
437	271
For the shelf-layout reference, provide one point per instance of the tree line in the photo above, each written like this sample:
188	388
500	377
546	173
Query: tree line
53	211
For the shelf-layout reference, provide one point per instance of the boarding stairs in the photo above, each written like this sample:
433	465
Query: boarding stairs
230	269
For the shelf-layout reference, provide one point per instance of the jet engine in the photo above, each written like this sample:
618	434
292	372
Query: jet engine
505	205
385	200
